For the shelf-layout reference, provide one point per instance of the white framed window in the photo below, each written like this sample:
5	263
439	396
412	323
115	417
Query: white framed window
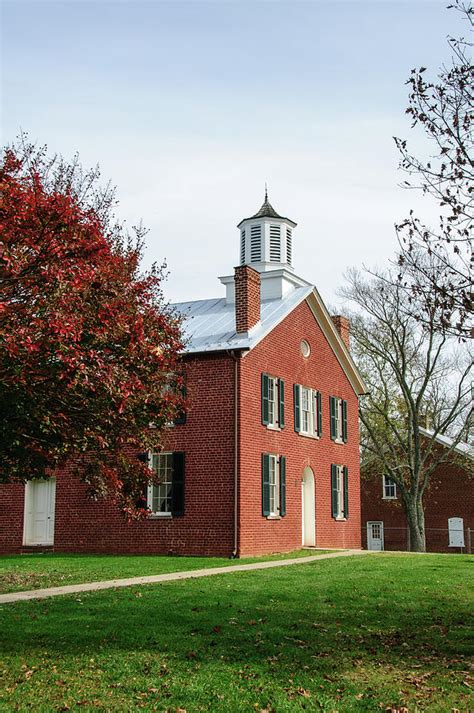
274	481
273	401
338	414
340	492
389	488
273	485
160	494
307	402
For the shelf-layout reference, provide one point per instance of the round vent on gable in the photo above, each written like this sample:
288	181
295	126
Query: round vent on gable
305	348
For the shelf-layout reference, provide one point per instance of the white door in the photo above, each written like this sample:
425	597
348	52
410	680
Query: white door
40	498
456	531
308	508
375	536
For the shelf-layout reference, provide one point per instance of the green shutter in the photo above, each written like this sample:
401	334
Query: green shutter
346	492
334	490
344	421
332	411
265	395
319	413
265	484
281	403
177	492
296	399
282	486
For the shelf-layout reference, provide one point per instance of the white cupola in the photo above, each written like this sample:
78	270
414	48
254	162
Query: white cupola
266	239
266	246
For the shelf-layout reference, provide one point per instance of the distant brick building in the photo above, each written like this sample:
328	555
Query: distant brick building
448	502
266	457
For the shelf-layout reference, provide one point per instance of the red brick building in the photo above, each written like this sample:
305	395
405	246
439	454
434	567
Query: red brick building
266	457
448	502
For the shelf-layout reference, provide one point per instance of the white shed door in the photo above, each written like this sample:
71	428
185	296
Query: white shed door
40	499
375	536
456	532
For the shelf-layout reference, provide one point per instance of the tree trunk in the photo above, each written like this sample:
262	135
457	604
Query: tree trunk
416	523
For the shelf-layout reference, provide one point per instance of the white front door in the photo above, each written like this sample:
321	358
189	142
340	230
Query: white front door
308	508
375	536
40	498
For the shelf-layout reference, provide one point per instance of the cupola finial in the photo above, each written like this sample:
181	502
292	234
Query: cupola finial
266	192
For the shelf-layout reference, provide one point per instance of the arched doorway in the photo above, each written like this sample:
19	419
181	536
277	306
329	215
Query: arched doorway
308	508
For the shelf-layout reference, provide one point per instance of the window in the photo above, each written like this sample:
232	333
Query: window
273	485
389	489
166	495
273	401
308	414
340	492
305	348
338	413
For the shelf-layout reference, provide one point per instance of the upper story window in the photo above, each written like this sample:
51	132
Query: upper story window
305	348
273	401
255	243
339	492
338	415
166	496
389	489
273	485
308	412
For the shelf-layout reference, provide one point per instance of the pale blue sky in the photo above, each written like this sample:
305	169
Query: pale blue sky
189	107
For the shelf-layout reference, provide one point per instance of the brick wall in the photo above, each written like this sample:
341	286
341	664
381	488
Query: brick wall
450	494
279	355
11	517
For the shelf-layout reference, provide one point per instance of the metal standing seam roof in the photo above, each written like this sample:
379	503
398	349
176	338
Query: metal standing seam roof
464	448
209	325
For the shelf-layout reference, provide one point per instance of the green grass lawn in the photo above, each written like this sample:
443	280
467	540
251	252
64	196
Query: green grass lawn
352	634
21	572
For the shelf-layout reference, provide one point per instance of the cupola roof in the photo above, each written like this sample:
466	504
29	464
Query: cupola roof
267	211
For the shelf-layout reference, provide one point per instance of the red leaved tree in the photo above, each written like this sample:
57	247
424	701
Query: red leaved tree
88	348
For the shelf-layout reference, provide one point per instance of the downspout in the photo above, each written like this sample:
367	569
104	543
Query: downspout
236	453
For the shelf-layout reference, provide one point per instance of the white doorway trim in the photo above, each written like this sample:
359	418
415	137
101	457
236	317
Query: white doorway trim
375	536
40	504
308	508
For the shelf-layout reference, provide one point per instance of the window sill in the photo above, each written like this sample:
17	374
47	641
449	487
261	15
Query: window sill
389	497
272	428
340	519
339	441
309	435
273	517
161	516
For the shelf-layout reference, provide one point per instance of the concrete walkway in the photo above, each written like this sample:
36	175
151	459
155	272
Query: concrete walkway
170	577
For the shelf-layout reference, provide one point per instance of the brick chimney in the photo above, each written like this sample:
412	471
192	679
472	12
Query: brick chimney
247	298
343	327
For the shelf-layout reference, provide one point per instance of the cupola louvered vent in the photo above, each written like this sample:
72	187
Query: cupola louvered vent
242	247
255	243
288	246
275	243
